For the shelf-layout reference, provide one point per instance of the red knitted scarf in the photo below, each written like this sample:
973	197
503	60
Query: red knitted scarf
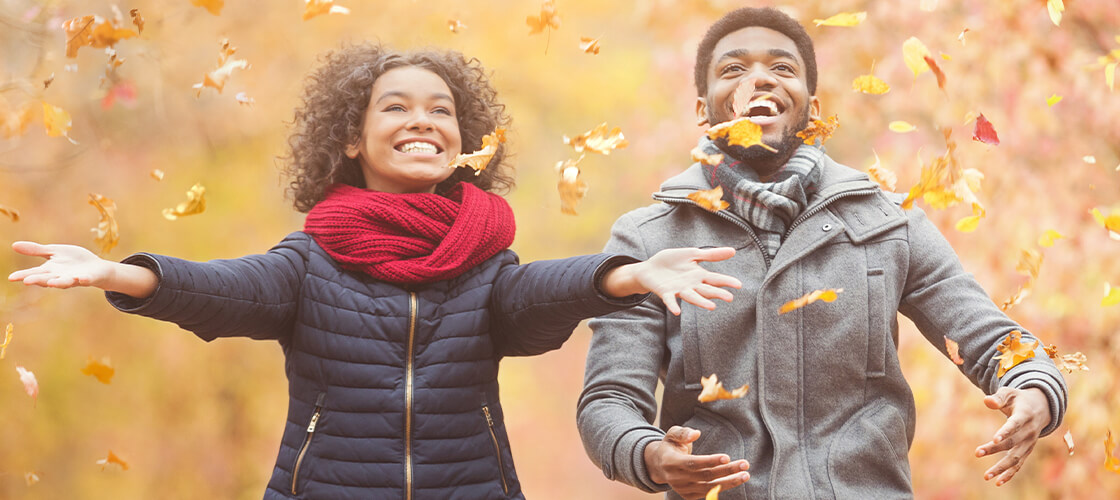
411	238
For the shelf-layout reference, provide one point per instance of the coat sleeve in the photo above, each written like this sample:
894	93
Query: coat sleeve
538	305
945	301
617	407
255	296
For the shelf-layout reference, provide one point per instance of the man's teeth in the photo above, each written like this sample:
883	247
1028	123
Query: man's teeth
418	147
762	107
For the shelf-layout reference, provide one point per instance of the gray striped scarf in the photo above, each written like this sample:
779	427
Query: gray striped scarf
769	206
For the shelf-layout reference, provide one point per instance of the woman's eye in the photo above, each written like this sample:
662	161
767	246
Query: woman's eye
442	110
395	107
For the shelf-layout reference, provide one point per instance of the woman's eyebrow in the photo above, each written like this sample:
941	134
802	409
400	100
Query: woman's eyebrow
405	95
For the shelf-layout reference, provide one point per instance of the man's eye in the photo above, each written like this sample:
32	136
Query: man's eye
783	67
731	68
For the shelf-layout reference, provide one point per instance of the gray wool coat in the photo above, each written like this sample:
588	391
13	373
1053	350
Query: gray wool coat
828	414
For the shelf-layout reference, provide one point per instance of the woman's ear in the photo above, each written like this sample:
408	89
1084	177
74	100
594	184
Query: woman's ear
351	151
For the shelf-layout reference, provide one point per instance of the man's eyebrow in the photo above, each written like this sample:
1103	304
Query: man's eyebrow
743	53
398	93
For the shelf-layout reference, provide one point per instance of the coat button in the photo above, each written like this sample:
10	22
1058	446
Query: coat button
826	227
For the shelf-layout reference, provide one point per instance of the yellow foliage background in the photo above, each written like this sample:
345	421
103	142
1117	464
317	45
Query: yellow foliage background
198	420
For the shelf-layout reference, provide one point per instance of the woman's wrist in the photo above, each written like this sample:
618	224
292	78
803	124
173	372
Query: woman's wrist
622	281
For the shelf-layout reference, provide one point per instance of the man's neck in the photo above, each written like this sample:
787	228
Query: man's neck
766	163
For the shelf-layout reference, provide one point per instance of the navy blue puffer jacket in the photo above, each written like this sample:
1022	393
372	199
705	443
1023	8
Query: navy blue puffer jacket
393	392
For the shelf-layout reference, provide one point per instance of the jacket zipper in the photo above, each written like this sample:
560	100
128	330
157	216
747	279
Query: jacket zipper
820	206
307	440
497	449
408	396
743	224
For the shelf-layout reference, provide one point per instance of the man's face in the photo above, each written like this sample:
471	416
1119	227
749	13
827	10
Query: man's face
780	102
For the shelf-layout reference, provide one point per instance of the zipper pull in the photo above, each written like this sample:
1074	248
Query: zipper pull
314	420
486	411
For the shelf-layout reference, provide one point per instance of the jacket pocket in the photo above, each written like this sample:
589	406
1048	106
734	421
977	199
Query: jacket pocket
717	435
302	453
868	458
878	326
497	448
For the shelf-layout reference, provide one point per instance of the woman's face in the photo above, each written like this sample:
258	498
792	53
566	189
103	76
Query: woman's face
410	132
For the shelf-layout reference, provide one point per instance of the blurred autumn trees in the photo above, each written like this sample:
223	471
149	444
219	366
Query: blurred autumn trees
196	420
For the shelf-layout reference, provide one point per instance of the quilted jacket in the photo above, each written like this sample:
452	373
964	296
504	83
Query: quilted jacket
393	391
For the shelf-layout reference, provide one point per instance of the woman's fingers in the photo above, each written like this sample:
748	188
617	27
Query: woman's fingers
692	297
711	292
714	254
31	248
23	273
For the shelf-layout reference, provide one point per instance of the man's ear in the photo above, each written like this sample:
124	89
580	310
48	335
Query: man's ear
814	108
701	111
351	151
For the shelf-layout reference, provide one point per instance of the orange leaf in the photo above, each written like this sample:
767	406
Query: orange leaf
454	25
843	19
945	183
30	385
101	370
1020	294
156	174
709	199
598	140
740	132
699	155
1068	437
112	459
954	351
137	20
92	31
1111	462
932	63
589	45
870	84
547	19
57	122
214	6
30	478
1013	351
1111	222
7	340
314	8
819	129
571	187
713	494
217	79
107	232
10	212
478	160
881	175
712	390
195	204
827	295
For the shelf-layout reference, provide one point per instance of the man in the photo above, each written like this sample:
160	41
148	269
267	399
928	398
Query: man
828	413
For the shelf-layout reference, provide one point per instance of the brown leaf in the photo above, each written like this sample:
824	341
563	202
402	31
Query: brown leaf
819	129
137	20
709	199
107	232
954	351
217	79
10	212
712	390
572	189
827	295
195	204
1013	351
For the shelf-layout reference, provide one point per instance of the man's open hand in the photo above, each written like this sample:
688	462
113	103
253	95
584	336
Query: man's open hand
1028	412
670	461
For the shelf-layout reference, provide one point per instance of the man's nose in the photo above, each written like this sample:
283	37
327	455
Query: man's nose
763	77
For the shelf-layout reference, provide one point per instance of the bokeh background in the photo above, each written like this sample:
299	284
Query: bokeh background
197	420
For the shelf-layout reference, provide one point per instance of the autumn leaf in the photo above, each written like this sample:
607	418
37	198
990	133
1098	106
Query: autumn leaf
10	212
217	79
960	37
870	84
985	132
156	174
901	127
1111	296
547	20
478	160
944	183
1068	363
1013	351
819	129
101	370
30	384
57	121
454	25
244	99
709	199
571	187
744	94
914	54
1055	9
740	132
92	31
699	155
882	175
14	122
123	91
827	295
1053	99
1023	292
195	204
843	19
968	224
7	340
1111	462
713	494
107	232
933	66
213	6
589	45
112	459
598	140
137	20
1090	159
1068	438
314	8
954	351
30	478
1048	238
1111	222
712	390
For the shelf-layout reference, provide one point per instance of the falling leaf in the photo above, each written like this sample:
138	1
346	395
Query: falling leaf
1068	437
699	155
968	224
1053	99
713	494
214	6
7	340
30	385
960	37
870	84
195	204
1110	75
843	19
1048	238
101	370
47	82
112	459
1111	296
1023	292
589	45
740	132
454	25
156	174
946	57
1068	363
1090	159
944	183
709	199
954	351
124	91
1013	351
1030	262
882	175
478	160
314	8
744	94
548	19
828	295
10	212
712	390
571	187
901	127
933	66
819	129
137	20
598	140
14	122
30	478
915	54
1111	462
1055	9
985	132
1111	223
57	121
217	78
92	31
107	232
244	99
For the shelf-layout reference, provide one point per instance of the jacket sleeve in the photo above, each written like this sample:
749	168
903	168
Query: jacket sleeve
945	301
617	407
255	296
538	305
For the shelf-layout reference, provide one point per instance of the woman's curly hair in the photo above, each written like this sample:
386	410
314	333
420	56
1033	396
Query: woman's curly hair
334	103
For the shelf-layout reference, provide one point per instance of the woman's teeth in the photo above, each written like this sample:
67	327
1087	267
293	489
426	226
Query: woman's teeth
418	147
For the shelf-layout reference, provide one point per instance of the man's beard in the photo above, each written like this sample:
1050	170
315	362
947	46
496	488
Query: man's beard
786	146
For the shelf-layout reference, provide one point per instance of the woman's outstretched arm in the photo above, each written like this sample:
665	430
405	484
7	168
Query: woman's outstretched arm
69	266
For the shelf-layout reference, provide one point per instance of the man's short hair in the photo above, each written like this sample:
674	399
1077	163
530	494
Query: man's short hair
747	17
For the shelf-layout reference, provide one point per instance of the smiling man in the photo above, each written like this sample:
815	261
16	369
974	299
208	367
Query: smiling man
828	413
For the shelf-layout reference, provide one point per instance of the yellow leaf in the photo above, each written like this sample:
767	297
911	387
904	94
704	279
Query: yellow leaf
1053	99
882	175
699	155
870	84
156	174
712	390
195	204
713	494
819	129
843	19
709	199
572	189
1055	9
954	351
10	212
112	459
314	8
1111	462
107	232
214	6
57	122
7	340
1111	222
589	45
1030	262
478	160
1110	75
454	25
101	370
1111	296
598	140
740	132
547	19
946	57
1047	239
914	54
827	295
968	224
1013	351
901	127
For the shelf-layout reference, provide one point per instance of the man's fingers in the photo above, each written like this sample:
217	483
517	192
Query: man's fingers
729	481
681	435
1009	464
1003	398
722	471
